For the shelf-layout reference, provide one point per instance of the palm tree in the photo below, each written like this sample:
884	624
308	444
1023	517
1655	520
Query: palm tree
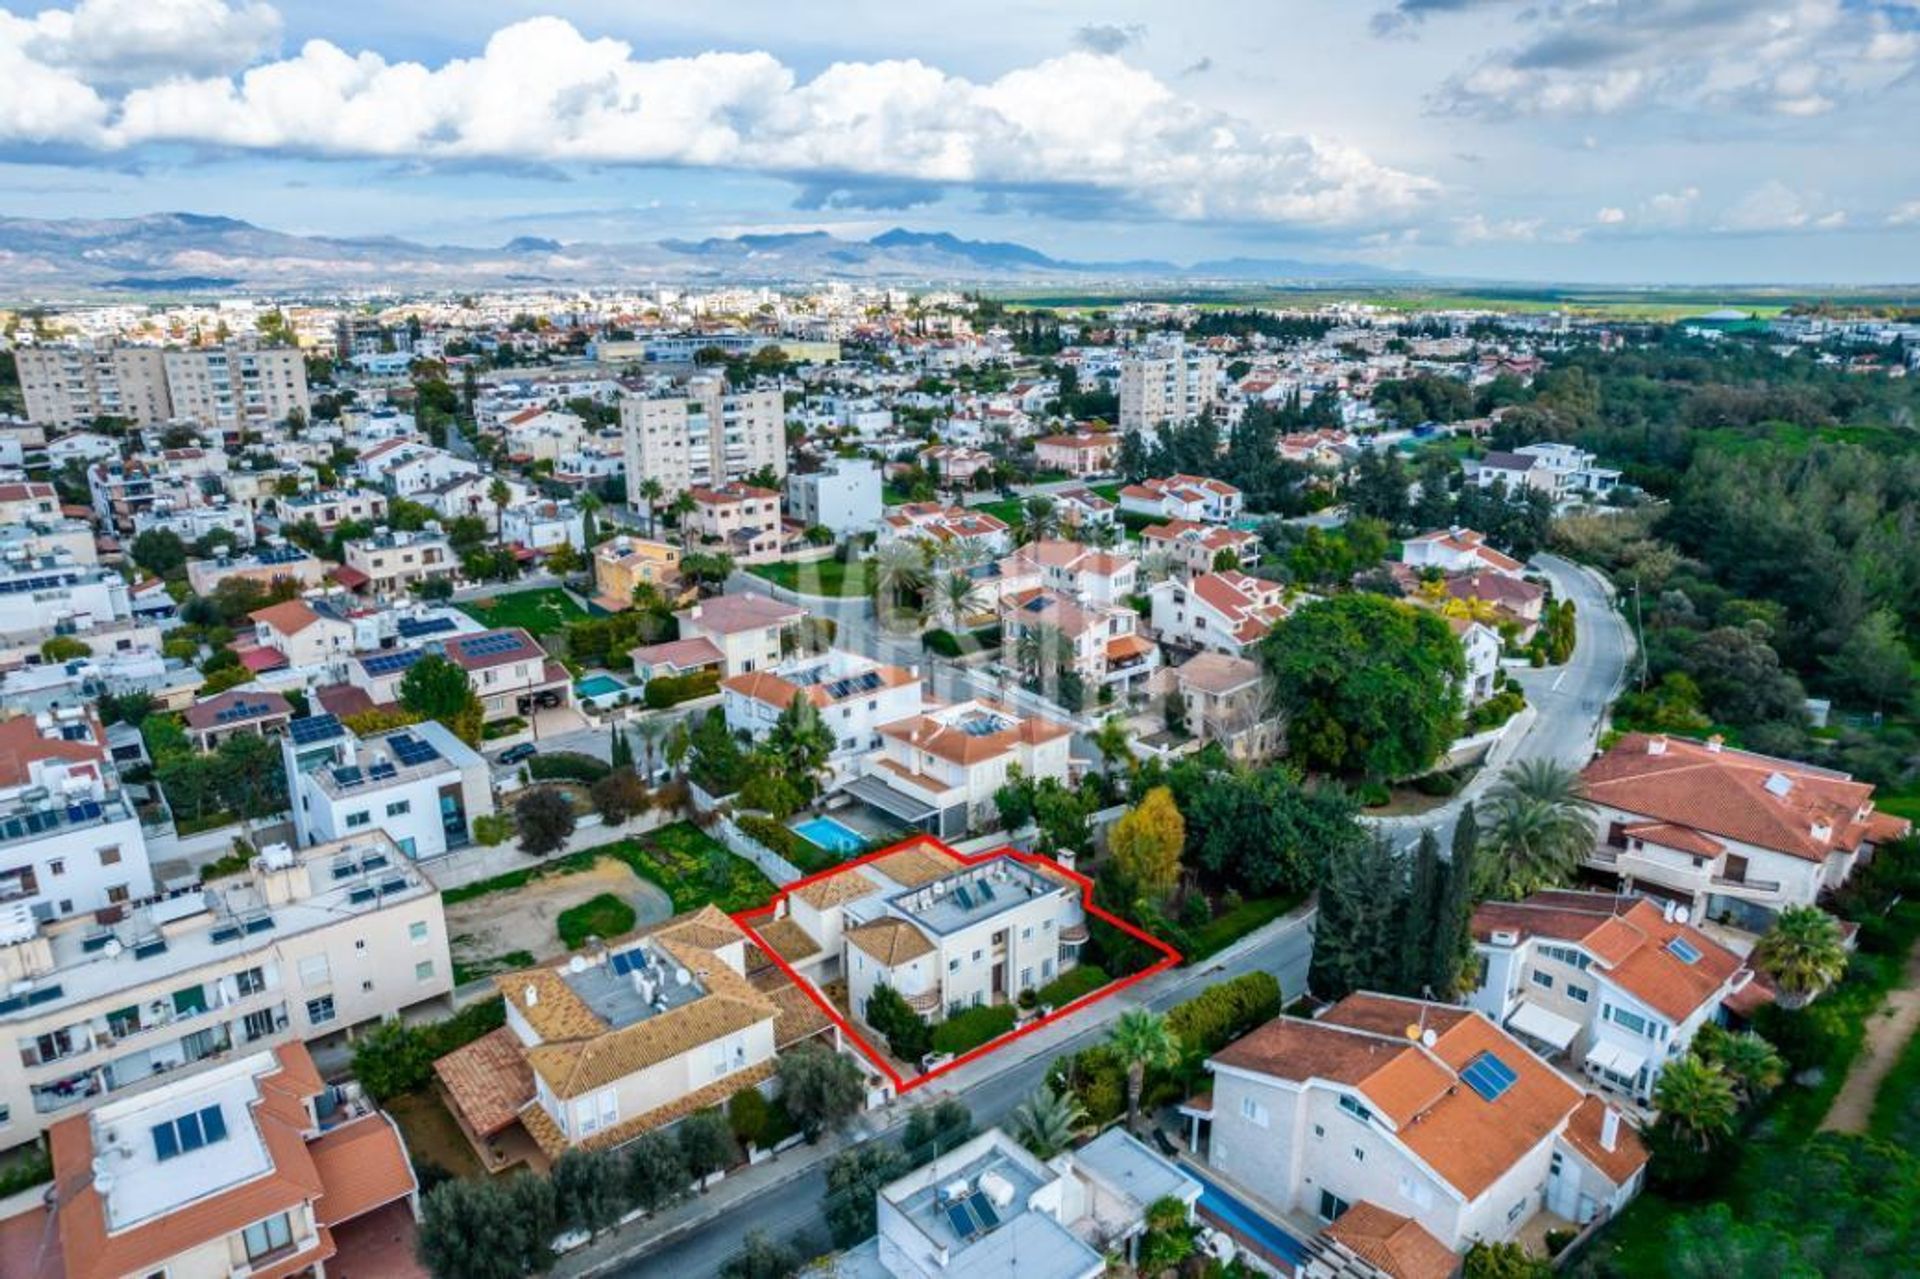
1101	535
1155	566
959	598
898	568
1696	1101
1143	1042
802	743
1042	650
1040	519
1752	1063
1114	742
681	507
650	731
651	492
1540	828
1803	954
499	494
1045	1122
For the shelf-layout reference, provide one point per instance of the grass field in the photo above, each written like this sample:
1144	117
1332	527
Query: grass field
821	577
603	916
540	612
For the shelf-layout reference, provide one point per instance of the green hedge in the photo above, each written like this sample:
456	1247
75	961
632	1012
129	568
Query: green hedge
970	1027
395	1057
670	690
1220	1014
1071	985
946	644
567	766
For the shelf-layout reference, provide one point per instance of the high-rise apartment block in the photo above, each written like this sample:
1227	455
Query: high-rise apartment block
702	437
226	387
1165	383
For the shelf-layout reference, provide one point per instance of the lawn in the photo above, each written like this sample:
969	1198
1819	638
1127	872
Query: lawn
819	577
1010	511
540	612
603	916
694	868
1230	926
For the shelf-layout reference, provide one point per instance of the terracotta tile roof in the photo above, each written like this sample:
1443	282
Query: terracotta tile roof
1218	673
362	1166
774	690
679	654
289	617
730	614
917	864
479	651
256	707
488	1080
540	1126
1395	1245
1629	1153
930	734
800	1018
788	940
1753	799
890	941
837	889
21	746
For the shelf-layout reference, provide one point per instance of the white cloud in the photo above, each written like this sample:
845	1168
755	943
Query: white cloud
1907	214
1773	206
1610	216
1601	57
119	41
542	92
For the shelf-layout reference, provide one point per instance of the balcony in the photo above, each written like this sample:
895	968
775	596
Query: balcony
1746	886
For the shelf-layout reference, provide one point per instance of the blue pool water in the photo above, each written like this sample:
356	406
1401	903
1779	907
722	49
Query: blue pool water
835	837
1241	1219
598	686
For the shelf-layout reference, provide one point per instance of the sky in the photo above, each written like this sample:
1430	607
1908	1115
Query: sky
1572	141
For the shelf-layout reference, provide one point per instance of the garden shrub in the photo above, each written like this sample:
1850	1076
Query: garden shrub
567	766
967	1029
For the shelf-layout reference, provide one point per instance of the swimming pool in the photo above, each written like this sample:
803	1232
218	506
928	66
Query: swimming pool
599	686
1240	1219
834	836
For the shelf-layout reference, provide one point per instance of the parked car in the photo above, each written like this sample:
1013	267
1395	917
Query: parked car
517	754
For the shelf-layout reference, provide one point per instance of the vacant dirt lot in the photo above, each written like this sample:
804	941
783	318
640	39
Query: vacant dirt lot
523	919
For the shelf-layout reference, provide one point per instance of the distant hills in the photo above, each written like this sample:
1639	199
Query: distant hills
196	253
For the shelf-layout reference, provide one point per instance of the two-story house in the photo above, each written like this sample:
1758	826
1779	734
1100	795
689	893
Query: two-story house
1191	549
1618	984
752	632
1225	612
853	694
1733	836
940	770
1104	641
1184	497
420	784
738	519
1457	550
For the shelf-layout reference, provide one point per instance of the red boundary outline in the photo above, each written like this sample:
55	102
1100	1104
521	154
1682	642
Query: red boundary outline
1168	955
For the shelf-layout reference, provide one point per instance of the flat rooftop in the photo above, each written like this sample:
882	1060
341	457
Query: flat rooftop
971	896
634	984
974	1204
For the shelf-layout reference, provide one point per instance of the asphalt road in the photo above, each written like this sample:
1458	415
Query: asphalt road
991	1088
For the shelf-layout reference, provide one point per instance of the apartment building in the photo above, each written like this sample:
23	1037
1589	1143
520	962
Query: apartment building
253	1168
1425	1110
703	436
421	785
624	563
407	467
853	694
53	593
301	945
235	388
751	632
989	1207
844	497
1226	612
1733	836
940	770
1192	549
390	564
625	1037
70	841
737	519
71	385
1166	383
1620	985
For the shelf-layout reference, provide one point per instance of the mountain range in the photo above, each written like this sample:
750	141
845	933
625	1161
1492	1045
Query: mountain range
194	253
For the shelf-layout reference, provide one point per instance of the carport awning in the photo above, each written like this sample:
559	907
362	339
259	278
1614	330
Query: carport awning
1538	1023
1612	1057
871	790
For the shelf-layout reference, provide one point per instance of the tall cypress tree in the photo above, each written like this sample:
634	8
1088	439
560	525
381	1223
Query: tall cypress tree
622	751
1356	940
1422	922
1453	945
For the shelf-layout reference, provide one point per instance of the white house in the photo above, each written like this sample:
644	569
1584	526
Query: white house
1225	612
844	497
941	769
70	841
420	784
1184	497
853	694
752	632
1457	550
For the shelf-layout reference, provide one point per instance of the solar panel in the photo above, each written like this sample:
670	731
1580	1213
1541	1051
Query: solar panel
391	663
348	775
380	770
361	896
986	890
315	728
1488	1076
960	1219
983	1209
191	1138
410	750
415	627
963	897
214	1124
626	961
1681	949
394	886
165	1144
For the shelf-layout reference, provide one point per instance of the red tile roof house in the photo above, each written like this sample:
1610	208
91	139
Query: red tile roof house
1427	1110
1184	497
1731	835
1456	550
1077	455
1226	612
227	1171
1192	548
511	672
1619	985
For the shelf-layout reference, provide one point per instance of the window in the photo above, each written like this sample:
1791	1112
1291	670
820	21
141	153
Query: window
320	1011
313	971
417	932
1354	1108
1542	979
1578	994
268	1237
1253	1112
1633	1022
110	856
117	893
400	808
251	982
1359	1155
1332	1206
1513	1213
57	867
423	971
257	1025
359	819
953	965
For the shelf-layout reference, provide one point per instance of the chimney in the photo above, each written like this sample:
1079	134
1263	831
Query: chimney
531	995
1610	1129
1714	744
1822	831
1657	745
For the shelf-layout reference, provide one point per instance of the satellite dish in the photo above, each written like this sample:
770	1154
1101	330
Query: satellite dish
112	949
1429	1038
1681	914
681	976
577	965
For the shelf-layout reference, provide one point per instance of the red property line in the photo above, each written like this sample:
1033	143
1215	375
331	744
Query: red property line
1168	955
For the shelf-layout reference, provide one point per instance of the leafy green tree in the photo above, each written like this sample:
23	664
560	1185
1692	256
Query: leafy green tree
706	1143
800	744
908	1035
620	796
1370	686
1421	934
762	1258
897	578
1453	943
1875	665
544	820
66	648
819	1087
715	760
934	1129
1752	1063
436	689
1503	1261
1803	952
589	1190
159	551
854	1177
1144	1043
1362	901
468	1232
1263	831
657	1173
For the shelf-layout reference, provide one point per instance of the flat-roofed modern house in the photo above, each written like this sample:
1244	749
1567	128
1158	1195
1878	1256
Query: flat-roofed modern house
1733	836
420	784
301	945
252	1168
70	841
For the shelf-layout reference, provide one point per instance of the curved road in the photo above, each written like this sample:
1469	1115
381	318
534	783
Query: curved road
1569	703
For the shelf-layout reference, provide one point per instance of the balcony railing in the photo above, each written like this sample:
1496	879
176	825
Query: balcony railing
1746	884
